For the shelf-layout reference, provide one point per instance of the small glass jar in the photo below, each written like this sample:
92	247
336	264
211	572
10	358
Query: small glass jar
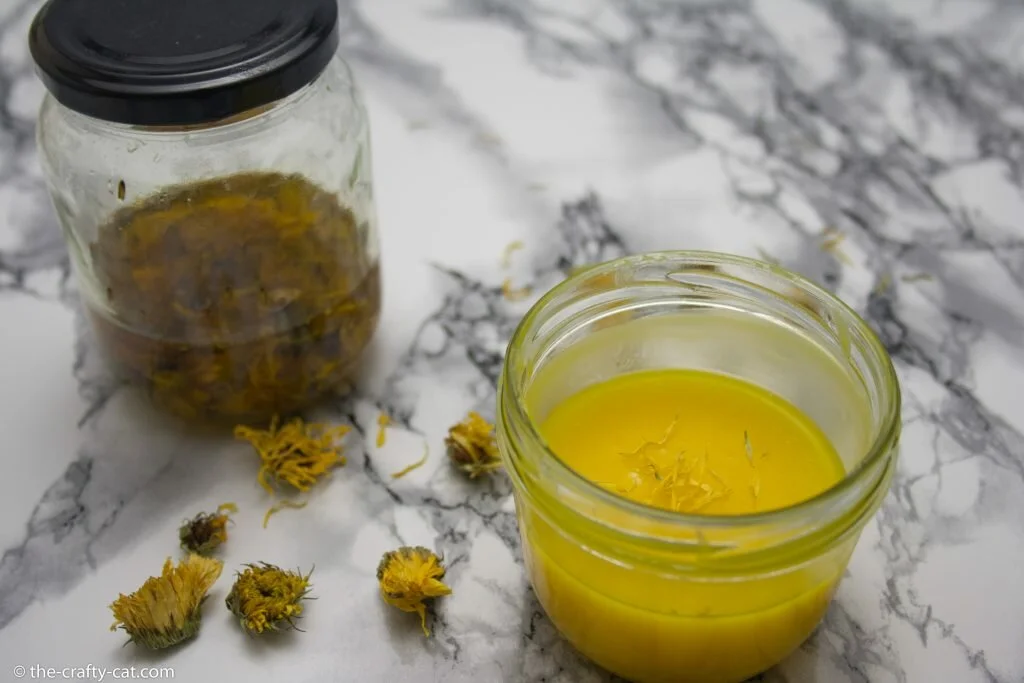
210	166
658	596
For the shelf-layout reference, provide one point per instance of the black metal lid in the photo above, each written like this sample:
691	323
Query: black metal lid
180	62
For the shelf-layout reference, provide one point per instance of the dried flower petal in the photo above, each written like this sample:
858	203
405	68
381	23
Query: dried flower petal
166	611
297	454
265	596
383	420
222	326
205	532
471	446
410	575
510	248
415	466
831	239
512	294
283	505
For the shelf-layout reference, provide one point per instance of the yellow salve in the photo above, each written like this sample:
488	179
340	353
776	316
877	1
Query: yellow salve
698	443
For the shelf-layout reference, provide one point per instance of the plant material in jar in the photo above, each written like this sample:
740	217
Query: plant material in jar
679	480
237	297
408	577
265	597
472	447
166	610
205	532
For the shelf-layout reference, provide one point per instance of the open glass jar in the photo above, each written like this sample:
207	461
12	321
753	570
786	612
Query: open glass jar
210	166
659	596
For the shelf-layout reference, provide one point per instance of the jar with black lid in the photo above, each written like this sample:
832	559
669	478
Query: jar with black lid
209	162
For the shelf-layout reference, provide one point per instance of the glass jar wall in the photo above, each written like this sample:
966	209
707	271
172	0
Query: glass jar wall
656	595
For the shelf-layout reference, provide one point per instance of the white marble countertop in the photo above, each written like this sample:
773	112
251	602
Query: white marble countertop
586	130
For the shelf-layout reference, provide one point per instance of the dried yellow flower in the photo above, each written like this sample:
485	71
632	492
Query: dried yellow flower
205	532
265	596
471	446
296	454
410	575
166	609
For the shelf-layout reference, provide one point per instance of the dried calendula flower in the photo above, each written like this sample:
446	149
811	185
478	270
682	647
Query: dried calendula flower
205	532
165	611
297	454
471	446
264	597
410	575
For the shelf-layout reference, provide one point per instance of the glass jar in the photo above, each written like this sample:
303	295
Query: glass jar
663	597
210	166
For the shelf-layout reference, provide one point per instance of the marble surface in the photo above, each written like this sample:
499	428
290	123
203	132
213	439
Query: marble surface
587	130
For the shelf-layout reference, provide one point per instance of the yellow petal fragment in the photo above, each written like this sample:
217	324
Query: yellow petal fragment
283	505
415	466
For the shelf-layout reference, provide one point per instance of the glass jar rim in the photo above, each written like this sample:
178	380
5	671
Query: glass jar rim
221	130
885	434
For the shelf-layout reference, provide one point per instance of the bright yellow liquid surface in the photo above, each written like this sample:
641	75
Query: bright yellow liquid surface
693	442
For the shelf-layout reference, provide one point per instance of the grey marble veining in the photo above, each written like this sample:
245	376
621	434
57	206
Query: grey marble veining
875	147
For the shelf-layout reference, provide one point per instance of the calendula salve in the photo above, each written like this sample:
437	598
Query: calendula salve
696	441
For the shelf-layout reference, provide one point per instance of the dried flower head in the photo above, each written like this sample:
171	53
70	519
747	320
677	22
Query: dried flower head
410	575
265	596
205	532
296	454
166	609
471	446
